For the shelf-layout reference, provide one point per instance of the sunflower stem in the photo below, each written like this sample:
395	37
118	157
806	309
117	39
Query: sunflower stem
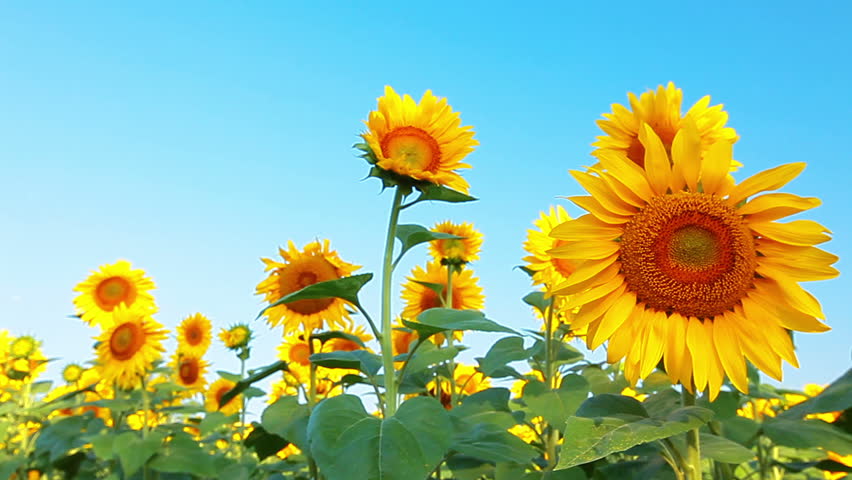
553	436
692	468
243	356
448	303
387	274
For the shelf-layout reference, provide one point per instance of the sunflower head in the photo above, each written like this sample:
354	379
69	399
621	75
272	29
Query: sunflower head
676	262
661	111
188	370
23	346
403	338
128	348
72	373
417	143
236	337
299	269
194	334
419	295
110	286
546	269
295	349
456	251
347	345
215	393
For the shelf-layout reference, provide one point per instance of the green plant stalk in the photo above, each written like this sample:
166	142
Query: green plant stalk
146	405
552	438
312	401
25	439
387	276
693	447
448	303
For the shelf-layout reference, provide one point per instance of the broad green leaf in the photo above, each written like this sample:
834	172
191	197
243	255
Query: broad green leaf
288	419
837	397
725	405
348	443
723	450
490	442
185	457
65	434
662	403
428	354
412	235
437	320
538	300
609	405
556	405
362	360
488	406
256	376
588	439
503	352
265	444
808	434
563	353
741	430
133	450
212	421
9	464
469	468
442	194
601	383
346	288
326	336
643	469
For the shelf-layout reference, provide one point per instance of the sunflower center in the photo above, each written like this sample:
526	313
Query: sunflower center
300	353
126	340
220	393
688	253
413	146
303	273
113	291
194	335
188	371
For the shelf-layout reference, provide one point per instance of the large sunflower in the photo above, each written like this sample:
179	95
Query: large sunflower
467	294
127	349
547	270
295	350
423	141
661	110
455	251
194	334
110	286
316	263
682	265
215	393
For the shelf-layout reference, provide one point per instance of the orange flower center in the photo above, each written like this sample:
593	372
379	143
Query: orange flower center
402	341
194	335
300	353
126	340
303	273
688	253
414	147
188	371
220	392
113	291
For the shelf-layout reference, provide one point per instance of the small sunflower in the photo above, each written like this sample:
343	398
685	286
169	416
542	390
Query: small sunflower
547	270
127	349
107	288
235	337
344	344
315	263
422	141
467	294
72	373
295	349
214	394
456	251
661	111
188	369
467	382
403	338
684	266
194	334
23	346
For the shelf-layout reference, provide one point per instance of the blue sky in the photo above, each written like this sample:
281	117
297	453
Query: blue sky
192	138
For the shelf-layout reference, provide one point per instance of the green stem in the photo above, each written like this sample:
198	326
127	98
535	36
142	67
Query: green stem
693	447
448	303
242	401
549	378
146	405
387	274
408	360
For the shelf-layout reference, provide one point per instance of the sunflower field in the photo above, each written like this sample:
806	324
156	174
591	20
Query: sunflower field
688	279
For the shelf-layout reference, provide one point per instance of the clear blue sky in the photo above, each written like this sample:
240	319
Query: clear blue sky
192	138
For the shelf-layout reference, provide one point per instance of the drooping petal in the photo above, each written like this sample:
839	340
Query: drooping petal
613	318
657	166
771	179
714	168
730	354
773	206
797	232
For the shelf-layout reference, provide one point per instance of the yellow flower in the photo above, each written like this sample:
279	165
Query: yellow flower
23	346
215	392
72	373
127	349
547	270
456	251
517	388
235	337
188	370
112	285
295	349
467	294
315	263
422	141
194	334
680	264
629	392
288	451
842	459
344	344
525	432
467	382
403	338
660	110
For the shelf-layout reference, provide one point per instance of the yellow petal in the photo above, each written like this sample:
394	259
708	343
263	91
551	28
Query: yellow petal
595	293
755	347
764	303
714	168
730	353
715	370
781	288
773	206
594	310
675	344
657	166
594	207
621	342
586	227
797	232
586	250
623	191
686	154
613	318
585	271
654	341
771	179
603	194
810	255
797	272
699	347
628	173
780	341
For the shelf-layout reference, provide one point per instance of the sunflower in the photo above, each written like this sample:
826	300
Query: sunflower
194	334
661	110
422	141
109	287
315	263
680	265
467	294
189	369
23	346
456	251
214	394
295	349
72	373
235	337
344	344
403	338
127	349
467	382
547	270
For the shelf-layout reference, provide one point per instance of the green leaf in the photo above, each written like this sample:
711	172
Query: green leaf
326	336
725	405
63	435
493	443
503	352
437	320
837	397
362	360
609	405
428	354
808	434
723	450
265	444
662	403
258	375
8	465
412	235
741	430
211	422
348	443
287	419
539	301
133	451
556	405
588	439
488	406
442	194
346	288
185	457
600	381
